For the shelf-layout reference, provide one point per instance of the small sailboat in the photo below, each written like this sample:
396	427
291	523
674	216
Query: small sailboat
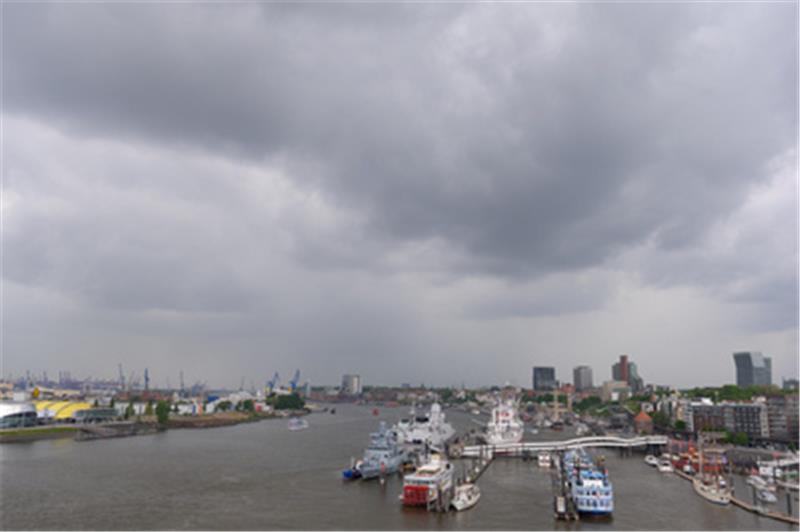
713	487
466	496
651	460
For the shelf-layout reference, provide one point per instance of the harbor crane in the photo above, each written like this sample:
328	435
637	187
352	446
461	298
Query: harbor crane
294	381
273	384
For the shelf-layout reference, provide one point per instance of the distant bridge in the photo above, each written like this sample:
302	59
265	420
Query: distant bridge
515	449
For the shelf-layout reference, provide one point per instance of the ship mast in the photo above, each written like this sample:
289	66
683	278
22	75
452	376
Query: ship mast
700	451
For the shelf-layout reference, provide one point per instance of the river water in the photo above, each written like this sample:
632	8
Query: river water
262	476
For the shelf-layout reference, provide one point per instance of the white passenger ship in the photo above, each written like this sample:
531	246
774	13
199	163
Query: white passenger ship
504	425
429	429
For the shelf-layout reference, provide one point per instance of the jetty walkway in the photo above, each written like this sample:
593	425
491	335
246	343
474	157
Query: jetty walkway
528	448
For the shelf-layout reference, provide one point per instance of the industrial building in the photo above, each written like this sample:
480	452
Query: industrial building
351	384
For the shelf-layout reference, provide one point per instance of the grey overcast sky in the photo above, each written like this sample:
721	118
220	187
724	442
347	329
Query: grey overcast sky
419	193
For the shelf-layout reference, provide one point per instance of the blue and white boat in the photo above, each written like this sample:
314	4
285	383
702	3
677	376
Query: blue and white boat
590	487
384	456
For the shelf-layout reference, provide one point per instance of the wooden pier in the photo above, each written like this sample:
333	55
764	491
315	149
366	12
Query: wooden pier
563	505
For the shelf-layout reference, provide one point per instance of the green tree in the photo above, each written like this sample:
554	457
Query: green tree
289	402
680	425
587	403
112	404
162	412
148	411
248	405
660	420
223	406
741	438
129	410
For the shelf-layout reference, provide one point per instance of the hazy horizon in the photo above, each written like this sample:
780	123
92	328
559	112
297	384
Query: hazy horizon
433	194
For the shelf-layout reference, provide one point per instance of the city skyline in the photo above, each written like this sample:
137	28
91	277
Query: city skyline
173	382
414	193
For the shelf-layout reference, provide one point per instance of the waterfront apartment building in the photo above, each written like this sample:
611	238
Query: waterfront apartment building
351	384
782	417
752	368
707	416
544	379
582	378
749	418
776	417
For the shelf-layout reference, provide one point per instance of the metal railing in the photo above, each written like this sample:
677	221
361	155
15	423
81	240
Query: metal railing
589	441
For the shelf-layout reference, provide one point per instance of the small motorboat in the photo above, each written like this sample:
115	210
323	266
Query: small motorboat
375	411
651	460
544	460
297	423
354	472
766	496
466	496
333	410
664	466
759	483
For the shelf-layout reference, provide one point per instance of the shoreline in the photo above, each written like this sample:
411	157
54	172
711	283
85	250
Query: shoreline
206	421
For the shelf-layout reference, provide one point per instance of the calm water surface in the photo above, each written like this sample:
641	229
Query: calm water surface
263	476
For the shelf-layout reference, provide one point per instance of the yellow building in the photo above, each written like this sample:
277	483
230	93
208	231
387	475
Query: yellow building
60	410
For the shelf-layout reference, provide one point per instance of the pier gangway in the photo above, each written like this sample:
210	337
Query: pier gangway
530	447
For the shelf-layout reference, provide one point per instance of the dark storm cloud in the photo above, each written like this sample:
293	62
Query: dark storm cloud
532	139
266	159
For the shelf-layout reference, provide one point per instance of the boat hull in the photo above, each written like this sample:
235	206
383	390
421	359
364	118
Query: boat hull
416	496
721	497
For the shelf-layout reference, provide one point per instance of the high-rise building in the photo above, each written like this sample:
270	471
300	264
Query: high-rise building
544	379
582	378
626	371
619	371
752	368
351	384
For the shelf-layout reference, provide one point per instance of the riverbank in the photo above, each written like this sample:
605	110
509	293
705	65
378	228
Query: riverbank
205	421
26	434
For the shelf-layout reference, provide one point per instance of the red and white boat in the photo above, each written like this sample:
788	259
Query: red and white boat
428	482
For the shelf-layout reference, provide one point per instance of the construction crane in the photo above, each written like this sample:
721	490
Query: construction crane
181	380
294	381
272	385
147	380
